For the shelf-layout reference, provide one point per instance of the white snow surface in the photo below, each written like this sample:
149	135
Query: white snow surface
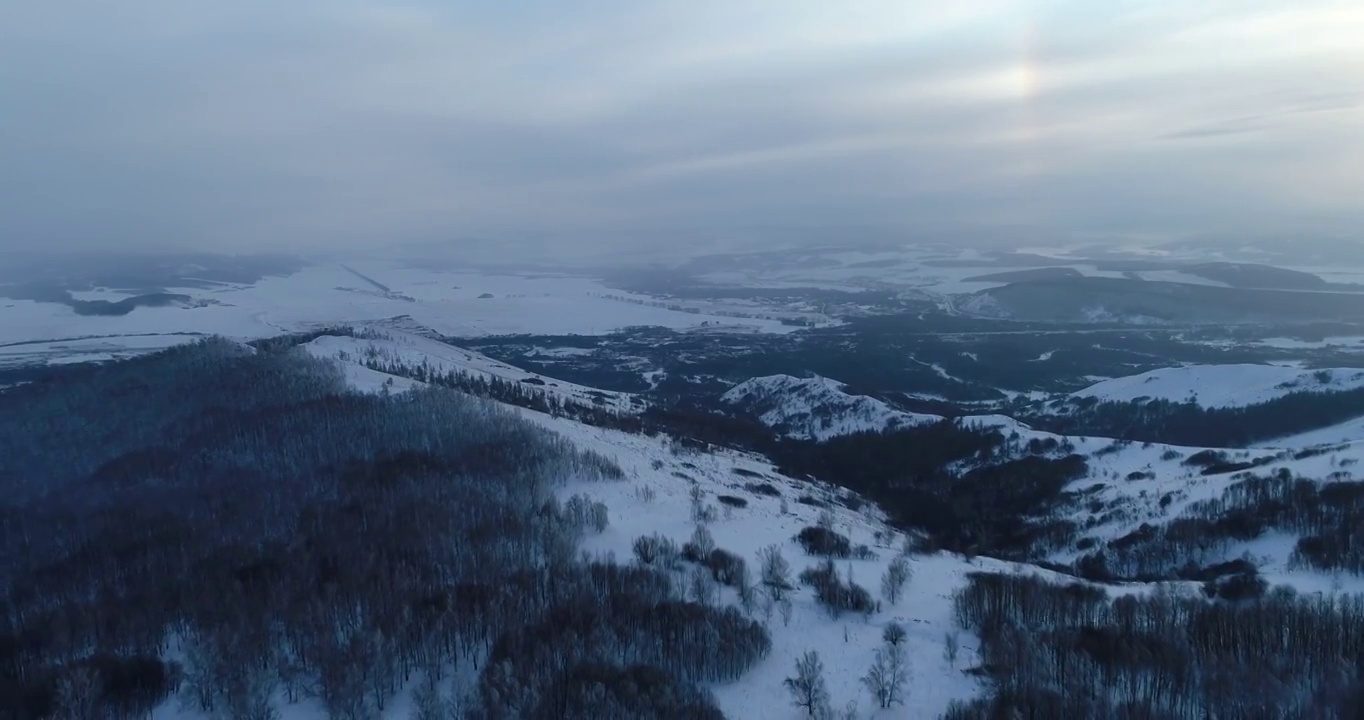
817	407
92	349
1350	431
1224	386
1340	342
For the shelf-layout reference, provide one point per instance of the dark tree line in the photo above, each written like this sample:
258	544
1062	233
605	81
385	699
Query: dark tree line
970	490
523	393
233	526
1055	651
1187	423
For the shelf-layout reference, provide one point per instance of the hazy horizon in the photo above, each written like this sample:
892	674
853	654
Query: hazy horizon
344	125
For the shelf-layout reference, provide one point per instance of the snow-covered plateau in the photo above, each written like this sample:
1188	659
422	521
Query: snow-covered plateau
1223	386
465	304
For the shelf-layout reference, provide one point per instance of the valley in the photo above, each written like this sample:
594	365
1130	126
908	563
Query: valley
1130	463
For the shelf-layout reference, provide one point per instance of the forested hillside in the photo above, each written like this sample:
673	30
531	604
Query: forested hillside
236	528
1074	651
1188	423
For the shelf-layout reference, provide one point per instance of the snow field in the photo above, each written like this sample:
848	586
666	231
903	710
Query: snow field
1222	386
451	303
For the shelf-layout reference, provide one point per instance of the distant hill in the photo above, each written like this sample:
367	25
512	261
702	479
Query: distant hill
1214	386
817	408
1091	299
1247	275
1030	275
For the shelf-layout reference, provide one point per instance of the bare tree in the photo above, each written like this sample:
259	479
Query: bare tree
248	695
78	694
703	541
807	688
701	586
776	572
951	647
894	580
427	703
894	634
698	502
748	592
888	676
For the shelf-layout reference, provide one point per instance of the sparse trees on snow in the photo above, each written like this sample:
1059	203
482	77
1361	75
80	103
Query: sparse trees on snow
702	541
951	647
808	689
775	572
894	634
894	580
427	703
701	586
888	676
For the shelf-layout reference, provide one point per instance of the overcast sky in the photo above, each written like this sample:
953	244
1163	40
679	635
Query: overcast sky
250	124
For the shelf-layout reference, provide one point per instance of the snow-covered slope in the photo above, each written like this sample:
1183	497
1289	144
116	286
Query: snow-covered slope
389	345
817	408
1349	431
1127	484
657	499
1223	386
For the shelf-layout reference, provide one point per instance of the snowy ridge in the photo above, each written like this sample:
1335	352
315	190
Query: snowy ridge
656	499
817	408
820	408
1132	478
388	345
1223	386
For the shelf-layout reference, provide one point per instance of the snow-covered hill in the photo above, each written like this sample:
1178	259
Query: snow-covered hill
382	344
657	499
1223	386
817	408
1127	485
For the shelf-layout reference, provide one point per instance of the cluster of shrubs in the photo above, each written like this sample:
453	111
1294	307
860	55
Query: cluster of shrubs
835	594
824	542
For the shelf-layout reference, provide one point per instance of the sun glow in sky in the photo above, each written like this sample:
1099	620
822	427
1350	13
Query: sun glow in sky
257	124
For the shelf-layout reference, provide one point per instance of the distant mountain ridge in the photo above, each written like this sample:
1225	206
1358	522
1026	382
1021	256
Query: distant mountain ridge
1102	299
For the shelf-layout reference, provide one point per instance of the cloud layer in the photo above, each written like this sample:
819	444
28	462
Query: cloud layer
603	123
